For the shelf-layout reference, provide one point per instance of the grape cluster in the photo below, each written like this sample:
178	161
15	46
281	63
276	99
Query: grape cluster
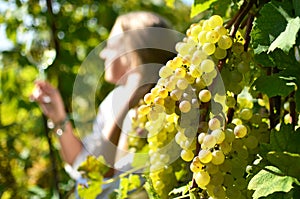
184	114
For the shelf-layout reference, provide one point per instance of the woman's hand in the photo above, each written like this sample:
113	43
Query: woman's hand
49	100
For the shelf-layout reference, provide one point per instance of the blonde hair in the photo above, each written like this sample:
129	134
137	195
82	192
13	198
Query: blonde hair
140	41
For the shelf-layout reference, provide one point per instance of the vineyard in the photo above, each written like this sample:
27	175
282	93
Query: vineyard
222	122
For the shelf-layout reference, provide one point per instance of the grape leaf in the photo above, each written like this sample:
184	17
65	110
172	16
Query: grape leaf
285	140
273	85
265	182
170	3
268	26
199	7
286	162
286	39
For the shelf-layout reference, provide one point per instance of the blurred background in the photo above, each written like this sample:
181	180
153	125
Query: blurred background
30	166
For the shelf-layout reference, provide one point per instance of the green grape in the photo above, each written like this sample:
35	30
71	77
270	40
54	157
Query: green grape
251	142
217	178
243	67
221	30
165	72
230	101
209	48
205	156
211	168
187	155
212	36
180	72
228	180
220	53
219	192
201	137
218	157
185	106
207	66
176	94
240	183
233	193
245	114
225	147
229	135
196	165
215	21
214	124
204	95
144	109
240	131
225	42
219	135
202	178
209	142
182	84
236	76
202	37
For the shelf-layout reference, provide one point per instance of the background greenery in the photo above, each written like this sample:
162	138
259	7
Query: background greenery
28	167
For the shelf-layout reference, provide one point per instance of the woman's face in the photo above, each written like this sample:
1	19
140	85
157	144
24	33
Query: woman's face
116	63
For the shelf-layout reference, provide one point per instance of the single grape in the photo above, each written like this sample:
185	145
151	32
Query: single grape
245	114
185	106
165	72
209	48
212	36
144	109
202	178
243	67
240	131
182	84
219	135
187	155
215	21
207	66
205	156
209	142
204	95
225	42
214	124
220	53
218	157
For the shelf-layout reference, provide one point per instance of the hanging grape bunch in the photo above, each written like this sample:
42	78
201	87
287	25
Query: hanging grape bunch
189	105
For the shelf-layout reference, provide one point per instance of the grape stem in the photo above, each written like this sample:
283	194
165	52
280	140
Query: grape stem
293	112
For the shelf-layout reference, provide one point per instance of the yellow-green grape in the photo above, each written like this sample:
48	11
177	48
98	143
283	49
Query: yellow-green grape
225	42
159	100
185	106
196	165
165	72
251	142
219	135
229	135
182	84
220	53
197	57
221	30
204	95
212	36
217	178
240	131
148	98
218	157
214	124
195	29
207	66
144	109
202	37
215	21
202	178
176	94
211	168
195	71
201	137
219	192
230	101
237	121
163	93
209	142
205	156
187	155
209	48
225	147
180	72
243	67
245	114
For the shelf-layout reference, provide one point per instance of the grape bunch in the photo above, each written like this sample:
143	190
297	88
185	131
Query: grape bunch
185	114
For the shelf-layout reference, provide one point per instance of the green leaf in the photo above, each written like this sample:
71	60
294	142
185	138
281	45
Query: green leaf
269	25
286	162
201	6
273	85
181	190
286	39
268	182
285	140
150	189
134	182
